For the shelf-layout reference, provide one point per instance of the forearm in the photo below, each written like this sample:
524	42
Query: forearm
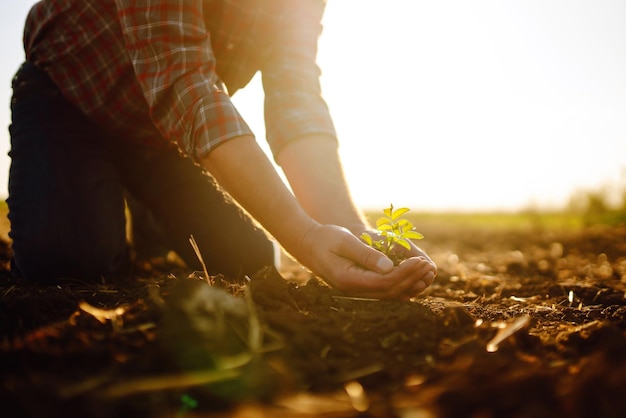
244	171
313	168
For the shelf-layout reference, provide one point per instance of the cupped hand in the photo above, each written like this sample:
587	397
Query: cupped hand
346	263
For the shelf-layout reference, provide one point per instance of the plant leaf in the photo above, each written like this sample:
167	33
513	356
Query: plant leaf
405	243
367	238
405	229
404	225
382	221
388	211
412	235
398	212
402	222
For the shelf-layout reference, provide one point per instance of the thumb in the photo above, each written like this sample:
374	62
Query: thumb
384	263
373	259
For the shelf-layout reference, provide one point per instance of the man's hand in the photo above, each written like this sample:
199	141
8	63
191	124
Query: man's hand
348	264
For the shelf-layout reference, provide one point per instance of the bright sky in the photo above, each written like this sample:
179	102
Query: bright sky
444	105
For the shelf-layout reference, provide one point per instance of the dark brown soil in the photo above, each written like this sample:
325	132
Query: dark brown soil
519	324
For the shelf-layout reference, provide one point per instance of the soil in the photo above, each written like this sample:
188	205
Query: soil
520	323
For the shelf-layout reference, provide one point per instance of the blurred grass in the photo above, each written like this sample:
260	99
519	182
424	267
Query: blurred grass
451	224
500	220
604	206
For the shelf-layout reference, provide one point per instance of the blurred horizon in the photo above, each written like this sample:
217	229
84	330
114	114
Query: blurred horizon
463	107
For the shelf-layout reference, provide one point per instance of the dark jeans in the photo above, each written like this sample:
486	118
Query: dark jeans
67	185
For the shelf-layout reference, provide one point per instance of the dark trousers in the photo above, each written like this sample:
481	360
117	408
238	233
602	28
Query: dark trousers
67	186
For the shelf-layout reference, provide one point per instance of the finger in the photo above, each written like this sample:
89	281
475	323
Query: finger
366	256
426	272
426	278
418	252
429	273
419	275
395	284
423	276
418	288
425	265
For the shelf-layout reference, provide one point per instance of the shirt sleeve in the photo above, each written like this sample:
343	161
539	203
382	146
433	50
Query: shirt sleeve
294	106
170	49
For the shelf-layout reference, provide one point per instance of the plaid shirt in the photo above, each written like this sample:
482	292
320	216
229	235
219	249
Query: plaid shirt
158	69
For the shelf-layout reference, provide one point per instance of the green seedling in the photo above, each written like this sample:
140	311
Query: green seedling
394	231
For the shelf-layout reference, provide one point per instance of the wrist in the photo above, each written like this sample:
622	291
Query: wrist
298	241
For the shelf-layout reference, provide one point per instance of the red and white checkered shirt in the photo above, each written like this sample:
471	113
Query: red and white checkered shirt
157	69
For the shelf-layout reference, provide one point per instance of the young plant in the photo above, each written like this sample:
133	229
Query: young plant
394	230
